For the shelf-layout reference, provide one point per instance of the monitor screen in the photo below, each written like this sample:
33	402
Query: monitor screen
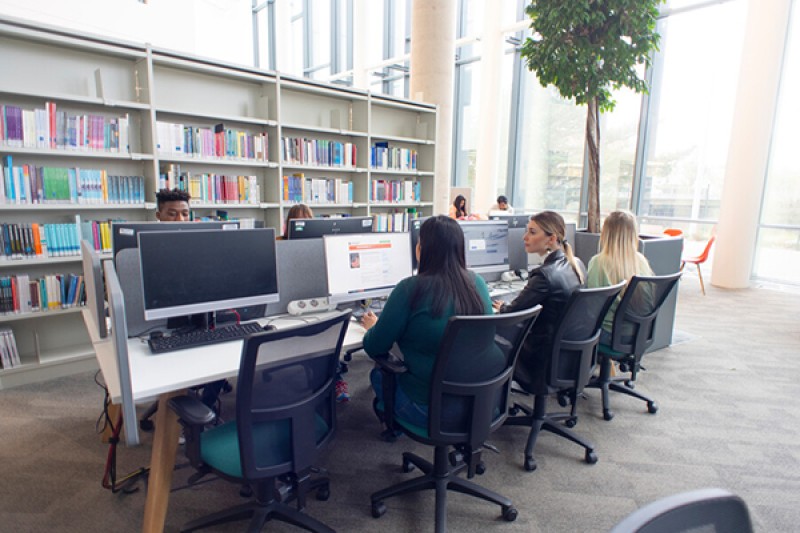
517	255
314	228
188	272
514	221
413	228
486	245
366	265
124	235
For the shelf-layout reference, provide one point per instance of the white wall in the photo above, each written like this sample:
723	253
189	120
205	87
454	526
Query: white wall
219	29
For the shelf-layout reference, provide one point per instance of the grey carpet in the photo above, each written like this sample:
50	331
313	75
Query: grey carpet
727	419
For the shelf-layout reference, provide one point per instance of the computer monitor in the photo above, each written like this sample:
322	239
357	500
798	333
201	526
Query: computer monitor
314	228
486	245
514	221
93	281
190	272
413	229
366	265
518	259
125	234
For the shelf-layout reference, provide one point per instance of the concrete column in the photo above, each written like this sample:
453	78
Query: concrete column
433	35
486	163
748	154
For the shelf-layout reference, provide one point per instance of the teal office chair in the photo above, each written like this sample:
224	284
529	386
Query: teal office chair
572	357
469	391
285	414
632	334
706	510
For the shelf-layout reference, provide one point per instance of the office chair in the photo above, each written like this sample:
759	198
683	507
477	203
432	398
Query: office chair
673	232
708	510
632	334
469	391
572	358
285	414
699	260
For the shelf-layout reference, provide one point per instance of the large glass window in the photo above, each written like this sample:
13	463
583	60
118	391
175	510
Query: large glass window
778	251
692	103
467	123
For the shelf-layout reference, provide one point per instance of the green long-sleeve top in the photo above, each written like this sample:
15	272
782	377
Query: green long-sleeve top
416	332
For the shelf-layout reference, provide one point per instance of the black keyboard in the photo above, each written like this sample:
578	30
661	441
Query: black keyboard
202	337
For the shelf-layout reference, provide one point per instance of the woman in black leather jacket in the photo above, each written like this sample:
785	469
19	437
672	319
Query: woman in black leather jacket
549	285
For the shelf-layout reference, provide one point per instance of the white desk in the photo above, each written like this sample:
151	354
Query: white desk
163	376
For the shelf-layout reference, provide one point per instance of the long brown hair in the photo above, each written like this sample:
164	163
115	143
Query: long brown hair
553	224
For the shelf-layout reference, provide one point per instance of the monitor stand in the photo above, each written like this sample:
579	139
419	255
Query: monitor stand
191	322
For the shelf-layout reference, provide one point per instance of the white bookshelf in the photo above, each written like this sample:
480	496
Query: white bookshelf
147	86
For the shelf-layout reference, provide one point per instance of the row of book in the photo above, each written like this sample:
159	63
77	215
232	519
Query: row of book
395	191
27	241
30	184
220	142
393	222
382	156
98	233
20	294
318	152
218	189
51	129
298	188
9	356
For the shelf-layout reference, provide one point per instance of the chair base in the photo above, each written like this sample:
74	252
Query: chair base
440	477
539	420
621	384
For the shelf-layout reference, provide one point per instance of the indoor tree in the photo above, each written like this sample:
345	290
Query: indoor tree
586	49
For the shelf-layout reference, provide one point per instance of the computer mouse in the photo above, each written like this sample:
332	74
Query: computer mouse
268	327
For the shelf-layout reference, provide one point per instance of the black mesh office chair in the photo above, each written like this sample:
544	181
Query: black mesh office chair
632	334
285	414
469	392
706	510
572	358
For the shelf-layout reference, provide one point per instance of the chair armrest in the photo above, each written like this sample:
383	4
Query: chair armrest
192	411
389	362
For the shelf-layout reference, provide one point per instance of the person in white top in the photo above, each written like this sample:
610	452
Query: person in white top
502	207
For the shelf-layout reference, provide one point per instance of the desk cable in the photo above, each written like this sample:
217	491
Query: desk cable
126	484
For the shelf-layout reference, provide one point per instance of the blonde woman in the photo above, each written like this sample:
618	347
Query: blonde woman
619	260
550	285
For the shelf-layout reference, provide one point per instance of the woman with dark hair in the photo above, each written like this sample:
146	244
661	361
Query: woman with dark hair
550	285
416	313
298	211
459	207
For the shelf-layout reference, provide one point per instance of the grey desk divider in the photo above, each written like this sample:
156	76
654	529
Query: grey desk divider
119	339
130	279
301	272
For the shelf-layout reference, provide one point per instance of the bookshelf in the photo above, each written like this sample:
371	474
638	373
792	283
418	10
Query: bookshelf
232	135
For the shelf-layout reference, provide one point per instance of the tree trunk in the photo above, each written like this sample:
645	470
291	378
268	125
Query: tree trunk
593	142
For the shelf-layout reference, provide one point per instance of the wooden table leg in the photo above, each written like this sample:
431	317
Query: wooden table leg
162	463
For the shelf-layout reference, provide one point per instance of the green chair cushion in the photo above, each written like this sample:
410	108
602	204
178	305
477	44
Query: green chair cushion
219	447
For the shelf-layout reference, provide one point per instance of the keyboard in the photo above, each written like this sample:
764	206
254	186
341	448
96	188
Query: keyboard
201	337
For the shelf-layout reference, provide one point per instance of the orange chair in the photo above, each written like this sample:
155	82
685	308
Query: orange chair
700	259
673	232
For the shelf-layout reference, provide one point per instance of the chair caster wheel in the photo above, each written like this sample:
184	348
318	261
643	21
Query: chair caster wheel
570	422
630	384
513	411
246	491
408	466
652	407
378	509
146	425
591	457
480	468
323	493
607	415
563	400
530	464
456	458
509	513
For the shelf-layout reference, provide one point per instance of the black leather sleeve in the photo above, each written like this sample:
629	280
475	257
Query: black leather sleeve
535	292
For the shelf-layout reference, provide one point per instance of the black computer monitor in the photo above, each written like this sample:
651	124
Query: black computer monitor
514	221
366	265
314	228
486	245
518	259
413	229
124	235
191	272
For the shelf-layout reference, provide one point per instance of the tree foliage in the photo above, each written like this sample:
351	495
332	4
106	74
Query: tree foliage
587	48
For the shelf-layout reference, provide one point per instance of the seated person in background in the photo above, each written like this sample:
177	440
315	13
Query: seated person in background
550	285
172	205
416	314
619	259
459	207
502	207
298	211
